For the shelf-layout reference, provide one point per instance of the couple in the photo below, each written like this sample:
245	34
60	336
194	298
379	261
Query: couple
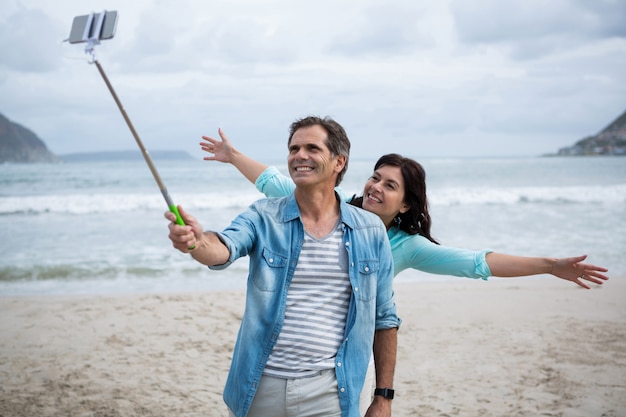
319	293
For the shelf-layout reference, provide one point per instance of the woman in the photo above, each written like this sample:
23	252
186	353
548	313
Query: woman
396	192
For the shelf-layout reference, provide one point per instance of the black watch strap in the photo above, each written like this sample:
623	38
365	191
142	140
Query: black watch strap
385	392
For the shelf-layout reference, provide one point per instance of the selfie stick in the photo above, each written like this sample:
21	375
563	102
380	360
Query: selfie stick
92	40
144	151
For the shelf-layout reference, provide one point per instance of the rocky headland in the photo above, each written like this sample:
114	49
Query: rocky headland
610	141
19	144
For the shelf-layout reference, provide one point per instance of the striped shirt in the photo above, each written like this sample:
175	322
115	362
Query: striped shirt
316	310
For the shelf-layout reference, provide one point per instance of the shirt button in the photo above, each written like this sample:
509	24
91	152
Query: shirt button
347	243
342	390
271	260
339	364
367	268
356	289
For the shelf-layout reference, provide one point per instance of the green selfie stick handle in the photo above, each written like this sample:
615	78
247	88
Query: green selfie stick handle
144	151
179	220
174	209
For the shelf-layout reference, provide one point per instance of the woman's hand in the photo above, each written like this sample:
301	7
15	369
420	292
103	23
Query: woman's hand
222	150
572	269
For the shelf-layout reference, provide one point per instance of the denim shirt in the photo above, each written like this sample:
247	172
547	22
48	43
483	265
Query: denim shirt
271	233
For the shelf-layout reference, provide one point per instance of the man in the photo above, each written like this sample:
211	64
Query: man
319	292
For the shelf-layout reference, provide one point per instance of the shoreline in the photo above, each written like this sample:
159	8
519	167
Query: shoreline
503	347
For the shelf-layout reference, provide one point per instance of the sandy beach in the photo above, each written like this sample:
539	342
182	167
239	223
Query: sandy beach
516	347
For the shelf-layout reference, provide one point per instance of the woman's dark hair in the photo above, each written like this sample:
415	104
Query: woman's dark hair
417	219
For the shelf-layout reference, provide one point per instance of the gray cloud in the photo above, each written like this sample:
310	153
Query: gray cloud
434	77
27	42
534	28
381	31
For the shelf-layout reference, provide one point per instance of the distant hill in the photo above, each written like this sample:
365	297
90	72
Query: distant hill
19	144
124	156
610	141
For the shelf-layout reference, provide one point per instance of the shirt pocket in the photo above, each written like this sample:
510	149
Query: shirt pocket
271	272
367	280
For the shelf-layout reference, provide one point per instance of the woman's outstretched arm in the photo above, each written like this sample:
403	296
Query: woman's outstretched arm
569	269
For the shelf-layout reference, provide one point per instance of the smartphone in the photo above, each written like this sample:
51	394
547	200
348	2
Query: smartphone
85	27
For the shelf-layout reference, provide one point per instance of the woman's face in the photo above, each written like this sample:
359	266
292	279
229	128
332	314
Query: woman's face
384	194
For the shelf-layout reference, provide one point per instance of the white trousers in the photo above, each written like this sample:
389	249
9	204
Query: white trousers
315	396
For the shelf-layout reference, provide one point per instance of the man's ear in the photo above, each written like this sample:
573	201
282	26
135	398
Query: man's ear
340	163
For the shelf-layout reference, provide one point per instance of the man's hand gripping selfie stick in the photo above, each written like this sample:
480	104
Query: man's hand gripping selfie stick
94	28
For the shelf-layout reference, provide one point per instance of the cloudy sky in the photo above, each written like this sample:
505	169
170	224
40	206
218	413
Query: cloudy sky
420	77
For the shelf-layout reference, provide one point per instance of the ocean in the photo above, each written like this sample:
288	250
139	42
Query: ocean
98	227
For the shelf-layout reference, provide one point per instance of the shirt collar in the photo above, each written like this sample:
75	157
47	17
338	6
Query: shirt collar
292	211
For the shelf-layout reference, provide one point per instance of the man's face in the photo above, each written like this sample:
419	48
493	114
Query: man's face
310	161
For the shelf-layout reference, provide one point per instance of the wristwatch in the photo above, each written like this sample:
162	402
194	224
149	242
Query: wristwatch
385	392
